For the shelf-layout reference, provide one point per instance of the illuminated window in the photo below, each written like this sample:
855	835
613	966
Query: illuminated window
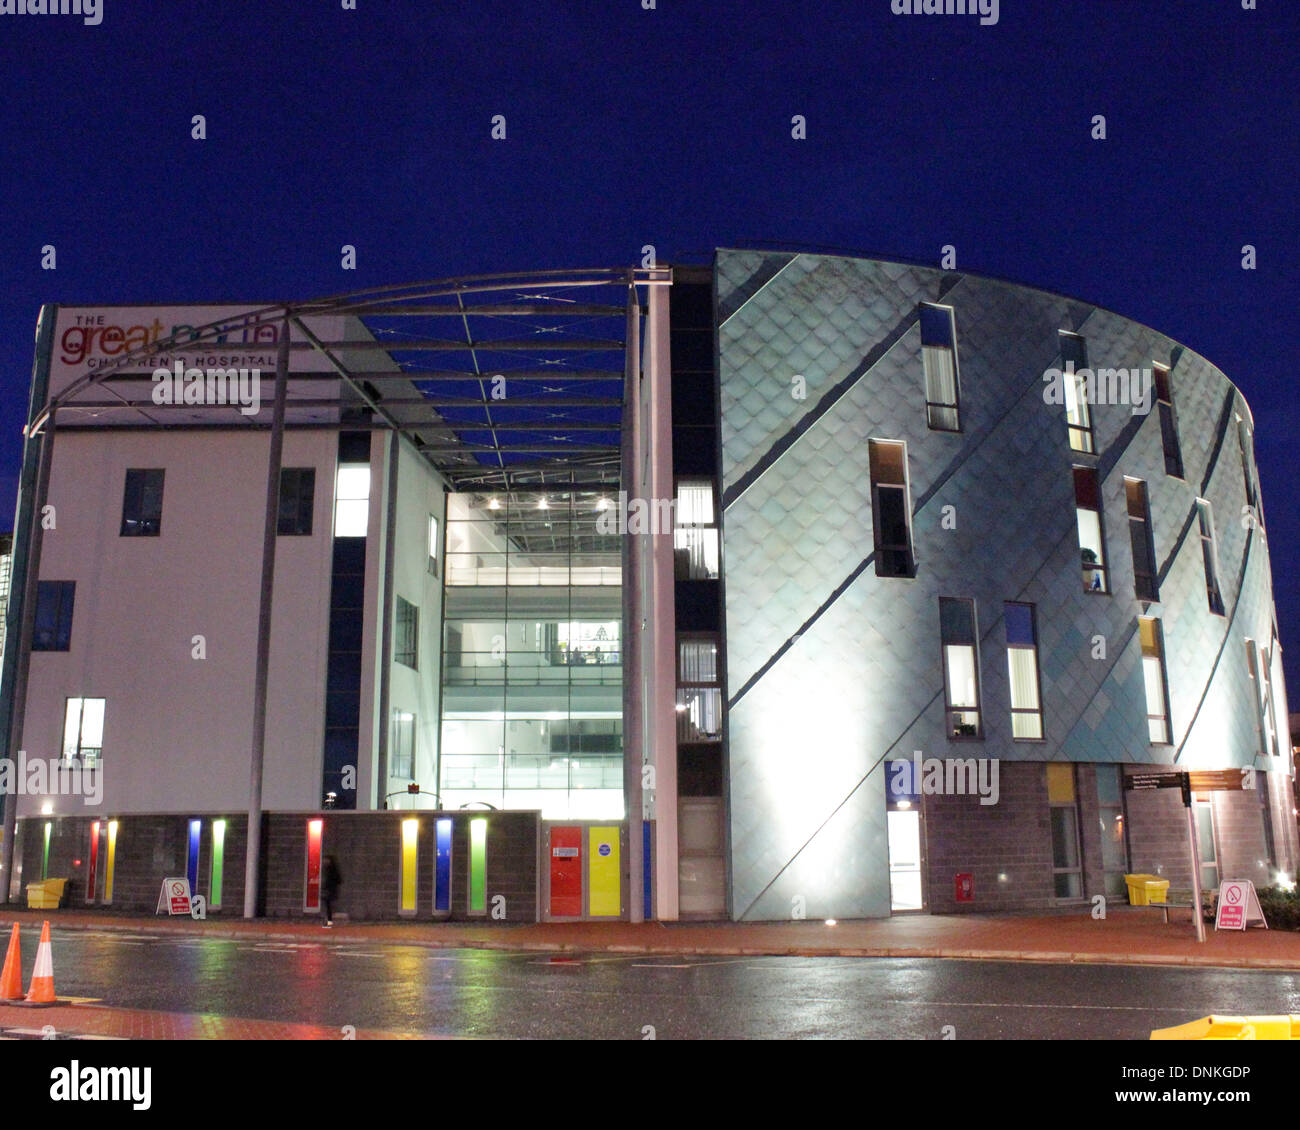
891	525
699	690
960	667
939	357
1110	815
352	500
1139	530
1153	676
433	545
1092	548
83	730
1022	668
695	532
1078	415
402	756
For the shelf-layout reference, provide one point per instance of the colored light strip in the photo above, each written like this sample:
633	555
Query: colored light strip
410	848
192	856
442	866
45	855
478	865
94	861
218	863
311	894
110	862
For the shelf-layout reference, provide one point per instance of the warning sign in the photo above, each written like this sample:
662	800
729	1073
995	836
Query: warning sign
1238	907
174	897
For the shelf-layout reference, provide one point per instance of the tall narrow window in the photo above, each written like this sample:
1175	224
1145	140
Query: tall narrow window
891	509
352	500
1022	669
53	629
1263	719
961	680
699	690
1110	812
1210	555
1067	869
297	495
1269	706
1078	415
406	639
1092	548
1168	423
695	532
142	501
402	761
1247	470
1153	675
939	357
83	730
1139	532
433	545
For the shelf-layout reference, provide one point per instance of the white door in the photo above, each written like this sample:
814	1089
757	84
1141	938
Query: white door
905	859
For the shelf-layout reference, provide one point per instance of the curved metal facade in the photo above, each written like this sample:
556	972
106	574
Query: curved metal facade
832	669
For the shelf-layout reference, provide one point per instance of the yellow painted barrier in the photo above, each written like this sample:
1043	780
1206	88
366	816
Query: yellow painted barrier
1233	1028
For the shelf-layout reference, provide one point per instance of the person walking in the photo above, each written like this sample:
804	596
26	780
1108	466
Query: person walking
331	880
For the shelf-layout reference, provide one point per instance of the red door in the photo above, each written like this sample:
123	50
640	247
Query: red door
566	872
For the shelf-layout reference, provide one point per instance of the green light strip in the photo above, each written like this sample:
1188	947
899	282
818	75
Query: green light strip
478	866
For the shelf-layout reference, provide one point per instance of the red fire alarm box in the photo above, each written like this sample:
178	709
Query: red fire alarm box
965	888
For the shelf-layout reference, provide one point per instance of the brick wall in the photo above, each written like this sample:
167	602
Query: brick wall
366	844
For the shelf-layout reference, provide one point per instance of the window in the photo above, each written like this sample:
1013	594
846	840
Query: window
695	532
699	690
1078	415
1110	814
53	631
1139	531
1243	442
433	545
1255	660
939	357
960	667
1210	555
1092	549
407	635
402	756
83	730
1168	423
891	525
1207	843
1022	668
297	493
352	500
1067	871
1153	675
142	504
1269	706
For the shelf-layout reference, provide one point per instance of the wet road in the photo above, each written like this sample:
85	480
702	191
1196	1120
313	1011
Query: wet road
484	993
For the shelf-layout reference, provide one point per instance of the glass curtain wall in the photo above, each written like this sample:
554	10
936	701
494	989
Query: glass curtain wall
532	695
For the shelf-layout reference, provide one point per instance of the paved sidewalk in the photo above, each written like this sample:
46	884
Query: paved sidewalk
1128	936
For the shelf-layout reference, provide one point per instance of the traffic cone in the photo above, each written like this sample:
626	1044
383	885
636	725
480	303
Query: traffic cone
42	990
11	980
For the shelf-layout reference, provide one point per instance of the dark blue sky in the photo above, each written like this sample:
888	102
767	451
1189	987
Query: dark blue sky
671	127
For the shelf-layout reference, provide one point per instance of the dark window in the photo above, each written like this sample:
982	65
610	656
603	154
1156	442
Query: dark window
1139	529
297	495
142	502
1210	556
53	630
891	520
1168	423
406	644
1243	441
939	358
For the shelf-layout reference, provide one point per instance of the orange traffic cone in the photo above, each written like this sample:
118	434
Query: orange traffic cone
11	980
42	990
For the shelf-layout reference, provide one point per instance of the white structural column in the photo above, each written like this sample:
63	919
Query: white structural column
659	662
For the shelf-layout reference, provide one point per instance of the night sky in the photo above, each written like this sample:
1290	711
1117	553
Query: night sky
670	127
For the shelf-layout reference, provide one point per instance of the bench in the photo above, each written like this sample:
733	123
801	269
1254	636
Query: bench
1177	898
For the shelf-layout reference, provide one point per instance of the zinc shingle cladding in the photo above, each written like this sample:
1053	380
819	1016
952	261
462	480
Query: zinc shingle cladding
830	668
